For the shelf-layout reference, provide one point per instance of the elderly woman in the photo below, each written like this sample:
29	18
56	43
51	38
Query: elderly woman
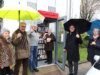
94	46
49	40
6	53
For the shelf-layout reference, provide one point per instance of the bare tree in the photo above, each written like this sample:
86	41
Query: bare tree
88	8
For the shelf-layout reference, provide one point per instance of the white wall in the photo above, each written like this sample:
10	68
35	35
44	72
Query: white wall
11	25
14	2
61	7
32	1
10	3
42	5
59	4
74	11
76	8
52	3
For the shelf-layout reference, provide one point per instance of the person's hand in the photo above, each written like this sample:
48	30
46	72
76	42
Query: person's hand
64	50
32	30
44	36
93	43
2	66
11	67
19	35
48	39
77	36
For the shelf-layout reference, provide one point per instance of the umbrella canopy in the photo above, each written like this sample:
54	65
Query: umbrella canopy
95	24
19	13
49	16
81	25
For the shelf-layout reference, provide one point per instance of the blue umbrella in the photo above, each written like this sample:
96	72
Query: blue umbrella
95	24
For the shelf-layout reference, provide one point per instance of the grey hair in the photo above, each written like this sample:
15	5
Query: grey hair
4	30
96	29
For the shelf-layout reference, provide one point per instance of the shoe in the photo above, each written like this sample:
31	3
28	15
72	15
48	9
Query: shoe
46	61
70	74
49	62
32	71
36	70
74	74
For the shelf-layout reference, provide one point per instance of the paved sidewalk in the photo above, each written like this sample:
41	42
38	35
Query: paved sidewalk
53	70
83	69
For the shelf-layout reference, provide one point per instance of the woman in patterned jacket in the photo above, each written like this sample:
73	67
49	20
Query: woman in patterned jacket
6	52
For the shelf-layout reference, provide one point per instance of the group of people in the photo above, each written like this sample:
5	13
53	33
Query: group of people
22	50
72	47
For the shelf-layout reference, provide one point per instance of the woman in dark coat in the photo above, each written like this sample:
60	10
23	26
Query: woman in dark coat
49	40
93	46
72	47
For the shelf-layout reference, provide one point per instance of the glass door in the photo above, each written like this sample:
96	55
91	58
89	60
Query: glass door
60	55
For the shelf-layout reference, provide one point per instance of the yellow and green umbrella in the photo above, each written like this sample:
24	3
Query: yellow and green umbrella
19	13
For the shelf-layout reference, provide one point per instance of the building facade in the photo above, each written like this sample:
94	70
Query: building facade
62	7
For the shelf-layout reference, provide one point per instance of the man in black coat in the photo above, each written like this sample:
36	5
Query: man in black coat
72	47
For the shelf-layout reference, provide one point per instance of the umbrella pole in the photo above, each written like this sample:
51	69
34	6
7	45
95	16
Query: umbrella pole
19	15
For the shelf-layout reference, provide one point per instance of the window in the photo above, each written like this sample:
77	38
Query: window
1	3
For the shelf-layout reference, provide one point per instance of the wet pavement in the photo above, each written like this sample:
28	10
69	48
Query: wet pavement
83	69
54	70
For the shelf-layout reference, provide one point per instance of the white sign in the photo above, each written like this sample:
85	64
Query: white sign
62	37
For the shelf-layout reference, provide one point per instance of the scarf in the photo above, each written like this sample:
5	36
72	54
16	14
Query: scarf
23	42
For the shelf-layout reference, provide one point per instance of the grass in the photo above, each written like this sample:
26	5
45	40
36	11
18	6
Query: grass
83	55
82	51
